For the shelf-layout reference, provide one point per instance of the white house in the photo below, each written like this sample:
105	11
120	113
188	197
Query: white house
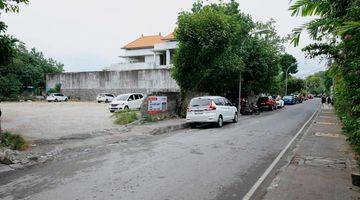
147	52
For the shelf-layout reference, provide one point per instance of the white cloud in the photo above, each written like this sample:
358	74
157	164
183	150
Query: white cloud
87	35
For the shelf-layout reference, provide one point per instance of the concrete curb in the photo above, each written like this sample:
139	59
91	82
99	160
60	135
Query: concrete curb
170	128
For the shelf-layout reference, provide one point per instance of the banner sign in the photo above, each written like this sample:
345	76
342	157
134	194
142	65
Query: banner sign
157	104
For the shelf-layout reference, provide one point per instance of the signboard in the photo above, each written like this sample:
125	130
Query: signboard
157	104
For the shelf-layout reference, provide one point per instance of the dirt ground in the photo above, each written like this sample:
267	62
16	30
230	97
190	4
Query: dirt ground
44	120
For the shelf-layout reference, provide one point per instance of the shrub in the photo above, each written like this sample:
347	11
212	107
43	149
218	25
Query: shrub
155	118
125	117
12	141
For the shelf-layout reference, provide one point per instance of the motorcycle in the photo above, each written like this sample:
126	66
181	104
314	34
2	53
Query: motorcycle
249	109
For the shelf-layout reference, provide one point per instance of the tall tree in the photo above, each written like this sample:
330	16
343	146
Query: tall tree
217	42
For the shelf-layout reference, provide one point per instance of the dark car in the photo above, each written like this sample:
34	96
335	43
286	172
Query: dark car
289	100
266	103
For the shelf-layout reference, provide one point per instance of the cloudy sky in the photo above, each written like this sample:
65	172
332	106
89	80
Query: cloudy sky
87	35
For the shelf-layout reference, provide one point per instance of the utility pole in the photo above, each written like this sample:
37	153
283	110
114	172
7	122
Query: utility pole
239	106
286	79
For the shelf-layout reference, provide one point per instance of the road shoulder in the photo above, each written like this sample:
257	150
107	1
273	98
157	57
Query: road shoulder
320	167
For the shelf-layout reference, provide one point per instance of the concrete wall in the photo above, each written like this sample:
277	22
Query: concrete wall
86	85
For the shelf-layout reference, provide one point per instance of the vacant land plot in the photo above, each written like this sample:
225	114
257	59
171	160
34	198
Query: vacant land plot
43	120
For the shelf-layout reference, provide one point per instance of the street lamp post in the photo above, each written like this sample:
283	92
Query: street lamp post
286	80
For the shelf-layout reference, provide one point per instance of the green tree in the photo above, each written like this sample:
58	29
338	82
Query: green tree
217	42
288	64
295	85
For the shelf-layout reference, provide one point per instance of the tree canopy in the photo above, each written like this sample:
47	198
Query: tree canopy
217	42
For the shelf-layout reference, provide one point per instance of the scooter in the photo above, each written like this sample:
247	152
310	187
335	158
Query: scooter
248	109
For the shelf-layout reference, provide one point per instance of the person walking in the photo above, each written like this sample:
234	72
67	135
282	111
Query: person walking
323	100
328	101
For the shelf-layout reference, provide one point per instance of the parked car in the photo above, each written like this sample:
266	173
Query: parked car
211	109
266	103
56	97
279	101
126	101
289	100
105	97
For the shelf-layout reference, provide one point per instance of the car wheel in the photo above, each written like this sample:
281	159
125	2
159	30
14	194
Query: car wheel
220	122
66	99
99	101
236	118
56	100
112	111
126	108
106	101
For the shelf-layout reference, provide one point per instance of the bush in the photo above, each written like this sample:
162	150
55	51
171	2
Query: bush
125	117
156	118
12	141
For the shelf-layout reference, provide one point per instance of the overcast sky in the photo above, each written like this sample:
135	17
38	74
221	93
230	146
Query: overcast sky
87	35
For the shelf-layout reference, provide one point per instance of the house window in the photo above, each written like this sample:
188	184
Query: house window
162	59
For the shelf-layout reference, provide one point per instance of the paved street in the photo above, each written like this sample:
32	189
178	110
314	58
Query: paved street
203	163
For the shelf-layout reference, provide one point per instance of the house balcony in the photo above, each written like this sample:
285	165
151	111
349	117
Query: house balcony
136	66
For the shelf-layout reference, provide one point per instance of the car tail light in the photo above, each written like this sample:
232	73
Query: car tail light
212	106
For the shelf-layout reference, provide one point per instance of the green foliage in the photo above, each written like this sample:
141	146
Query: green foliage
124	117
25	68
56	89
12	141
337	28
11	5
295	85
319	83
216	44
288	64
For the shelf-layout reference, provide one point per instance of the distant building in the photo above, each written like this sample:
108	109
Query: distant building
147	52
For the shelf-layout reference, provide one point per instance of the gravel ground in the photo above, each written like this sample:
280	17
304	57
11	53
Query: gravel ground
44	120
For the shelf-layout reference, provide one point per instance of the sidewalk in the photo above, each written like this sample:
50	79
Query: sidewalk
321	165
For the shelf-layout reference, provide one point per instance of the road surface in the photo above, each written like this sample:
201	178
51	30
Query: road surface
203	163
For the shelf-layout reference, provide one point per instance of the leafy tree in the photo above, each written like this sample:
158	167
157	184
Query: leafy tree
295	85
217	42
11	5
288	63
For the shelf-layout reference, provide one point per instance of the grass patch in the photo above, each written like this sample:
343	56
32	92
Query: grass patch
125	117
13	141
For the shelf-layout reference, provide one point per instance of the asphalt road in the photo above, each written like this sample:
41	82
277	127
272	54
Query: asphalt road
203	163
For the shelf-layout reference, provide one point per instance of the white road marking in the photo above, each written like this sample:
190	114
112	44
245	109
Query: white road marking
277	159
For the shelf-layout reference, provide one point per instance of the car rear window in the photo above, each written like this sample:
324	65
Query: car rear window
200	102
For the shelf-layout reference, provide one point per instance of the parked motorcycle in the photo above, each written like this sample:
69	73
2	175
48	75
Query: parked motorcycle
249	109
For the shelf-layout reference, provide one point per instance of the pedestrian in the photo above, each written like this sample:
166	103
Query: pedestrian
328	100
323	100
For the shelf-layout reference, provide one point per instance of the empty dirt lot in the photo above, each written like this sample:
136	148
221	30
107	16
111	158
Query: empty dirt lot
44	120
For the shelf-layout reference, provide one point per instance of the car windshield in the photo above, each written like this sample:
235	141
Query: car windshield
200	102
287	97
123	97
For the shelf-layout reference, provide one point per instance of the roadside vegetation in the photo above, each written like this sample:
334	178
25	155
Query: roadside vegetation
21	70
124	117
336	31
217	42
12	141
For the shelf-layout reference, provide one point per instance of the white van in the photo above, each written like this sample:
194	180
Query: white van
126	101
211	109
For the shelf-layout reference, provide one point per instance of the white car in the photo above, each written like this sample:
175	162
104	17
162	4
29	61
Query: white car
279	102
211	109
105	97
126	101
56	97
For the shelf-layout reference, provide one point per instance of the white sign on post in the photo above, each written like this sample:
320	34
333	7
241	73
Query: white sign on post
157	104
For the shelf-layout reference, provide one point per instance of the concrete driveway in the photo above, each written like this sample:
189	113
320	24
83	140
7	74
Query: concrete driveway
44	120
